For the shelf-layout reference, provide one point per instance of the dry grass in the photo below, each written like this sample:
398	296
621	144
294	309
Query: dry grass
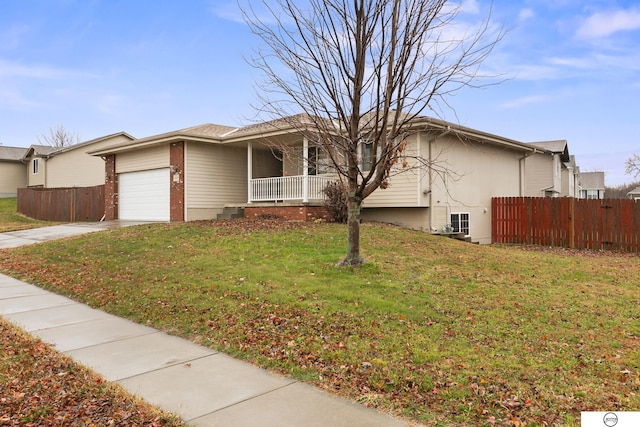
432	329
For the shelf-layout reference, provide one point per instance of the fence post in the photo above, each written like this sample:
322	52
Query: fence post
572	223
72	208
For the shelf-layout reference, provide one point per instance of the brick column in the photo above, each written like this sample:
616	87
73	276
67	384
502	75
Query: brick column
176	160
110	188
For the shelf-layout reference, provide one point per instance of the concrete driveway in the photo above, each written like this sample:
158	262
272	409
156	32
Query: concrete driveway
13	239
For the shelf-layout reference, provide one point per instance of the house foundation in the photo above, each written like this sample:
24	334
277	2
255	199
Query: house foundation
291	212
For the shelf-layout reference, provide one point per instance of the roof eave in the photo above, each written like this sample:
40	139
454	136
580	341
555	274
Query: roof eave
430	123
147	142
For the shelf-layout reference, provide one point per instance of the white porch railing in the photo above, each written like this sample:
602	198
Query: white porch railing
288	188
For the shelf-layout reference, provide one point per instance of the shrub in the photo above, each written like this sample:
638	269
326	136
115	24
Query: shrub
336	201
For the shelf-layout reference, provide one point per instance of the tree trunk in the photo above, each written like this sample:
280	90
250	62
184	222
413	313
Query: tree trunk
353	225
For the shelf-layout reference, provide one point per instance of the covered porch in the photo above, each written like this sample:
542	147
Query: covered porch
302	188
298	176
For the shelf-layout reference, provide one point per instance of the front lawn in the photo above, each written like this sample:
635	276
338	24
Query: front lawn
431	329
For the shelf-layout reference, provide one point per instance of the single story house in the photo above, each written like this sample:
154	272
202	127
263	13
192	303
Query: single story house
12	173
195	173
54	167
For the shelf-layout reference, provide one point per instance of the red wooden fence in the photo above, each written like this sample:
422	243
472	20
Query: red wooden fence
609	224
62	204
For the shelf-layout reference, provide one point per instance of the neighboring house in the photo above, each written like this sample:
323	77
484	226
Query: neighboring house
52	167
194	173
570	178
634	194
592	185
548	168
36	159
12	173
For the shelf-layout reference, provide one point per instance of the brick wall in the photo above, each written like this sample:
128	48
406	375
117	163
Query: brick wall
110	188
176	160
294	213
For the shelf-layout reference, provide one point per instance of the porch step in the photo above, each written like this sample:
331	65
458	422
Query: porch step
231	213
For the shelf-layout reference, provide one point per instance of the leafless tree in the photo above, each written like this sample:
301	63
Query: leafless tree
632	165
59	137
359	72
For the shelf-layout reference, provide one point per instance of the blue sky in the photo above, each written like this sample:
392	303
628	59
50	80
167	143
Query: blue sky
146	67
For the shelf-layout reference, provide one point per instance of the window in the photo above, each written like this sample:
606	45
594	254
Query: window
460	223
590	194
367	155
35	165
313	160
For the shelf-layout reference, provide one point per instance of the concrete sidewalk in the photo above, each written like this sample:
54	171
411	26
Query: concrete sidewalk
14	239
204	387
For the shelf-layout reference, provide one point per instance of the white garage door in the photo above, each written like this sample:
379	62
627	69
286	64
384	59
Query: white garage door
144	196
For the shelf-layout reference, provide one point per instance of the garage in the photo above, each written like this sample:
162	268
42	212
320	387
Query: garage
144	195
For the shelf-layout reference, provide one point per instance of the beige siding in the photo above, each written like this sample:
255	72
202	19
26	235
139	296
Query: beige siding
215	175
401	192
37	179
557	174
12	177
477	172
404	188
568	183
144	159
539	171
464	178
76	168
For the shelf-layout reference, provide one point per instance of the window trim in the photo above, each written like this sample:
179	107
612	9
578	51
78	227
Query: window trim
456	225
35	166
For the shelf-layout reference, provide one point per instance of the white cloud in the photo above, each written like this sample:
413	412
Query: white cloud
269	13
602	24
111	104
11	38
585	62
526	14
228	11
525	100
535	72
15	69
469	6
13	100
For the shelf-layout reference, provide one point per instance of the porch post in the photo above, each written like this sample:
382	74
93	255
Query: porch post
249	170
305	170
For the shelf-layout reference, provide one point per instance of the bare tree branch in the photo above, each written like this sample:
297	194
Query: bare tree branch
361	71
59	137
632	165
